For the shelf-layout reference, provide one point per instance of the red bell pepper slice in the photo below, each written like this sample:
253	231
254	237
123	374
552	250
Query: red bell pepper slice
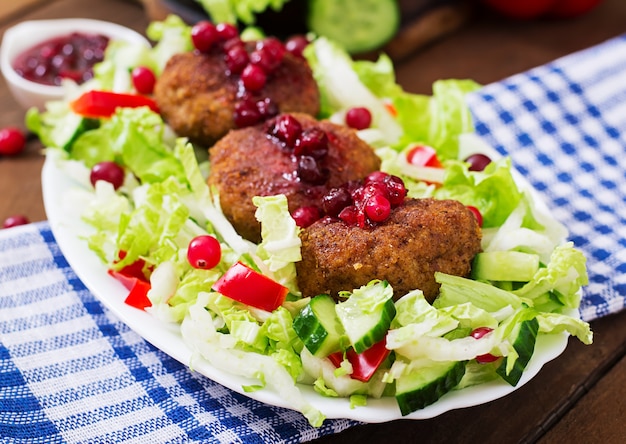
365	364
138	290
98	104
136	269
243	284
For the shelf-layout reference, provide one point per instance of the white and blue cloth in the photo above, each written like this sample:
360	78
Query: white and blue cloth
71	372
564	126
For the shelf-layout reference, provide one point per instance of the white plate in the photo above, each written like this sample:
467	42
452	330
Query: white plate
65	224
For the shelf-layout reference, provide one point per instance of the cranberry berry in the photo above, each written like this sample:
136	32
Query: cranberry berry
109	172
310	171
236	59
359	118
14	221
295	45
478	162
268	54
226	31
312	142
143	79
306	216
204	35
204	252
287	129
253	77
12	141
335	200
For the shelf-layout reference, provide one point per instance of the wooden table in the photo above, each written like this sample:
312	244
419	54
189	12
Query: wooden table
578	397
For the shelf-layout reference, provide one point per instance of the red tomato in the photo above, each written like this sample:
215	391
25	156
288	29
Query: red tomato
521	9
243	284
572	8
365	364
104	103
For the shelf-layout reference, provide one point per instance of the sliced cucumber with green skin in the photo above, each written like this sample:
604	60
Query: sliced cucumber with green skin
367	314
66	126
513	266
524	345
357	25
319	328
425	386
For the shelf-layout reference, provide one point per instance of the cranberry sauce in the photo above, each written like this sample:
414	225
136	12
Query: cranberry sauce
70	56
363	203
252	64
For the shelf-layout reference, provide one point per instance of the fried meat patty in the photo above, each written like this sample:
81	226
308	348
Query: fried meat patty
420	237
197	97
247	163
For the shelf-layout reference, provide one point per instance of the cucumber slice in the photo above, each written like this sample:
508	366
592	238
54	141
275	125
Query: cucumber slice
513	266
58	127
366	315
318	326
357	25
524	345
74	125
425	386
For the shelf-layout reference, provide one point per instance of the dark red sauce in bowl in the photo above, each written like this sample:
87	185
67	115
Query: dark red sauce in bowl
71	56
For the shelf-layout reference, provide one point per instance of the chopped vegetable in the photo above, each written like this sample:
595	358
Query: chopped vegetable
104	103
318	326
364	364
138	290
243	284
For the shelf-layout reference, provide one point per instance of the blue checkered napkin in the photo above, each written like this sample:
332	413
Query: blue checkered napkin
71	372
564	126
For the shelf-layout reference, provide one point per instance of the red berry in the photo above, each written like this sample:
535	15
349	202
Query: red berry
108	171
376	176
226	31
295	45
14	221
305	216
312	142
143	80
287	129
378	208
478	162
253	77
247	113
204	34
204	252
12	141
396	191
237	59
267	107
310	171
268	54
335	200
358	118
349	215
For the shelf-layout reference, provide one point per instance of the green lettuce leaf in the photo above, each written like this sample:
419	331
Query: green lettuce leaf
493	191
231	11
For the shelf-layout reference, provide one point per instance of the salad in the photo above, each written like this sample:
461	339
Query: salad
152	220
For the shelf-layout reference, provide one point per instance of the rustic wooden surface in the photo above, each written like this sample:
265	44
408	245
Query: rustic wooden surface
580	396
